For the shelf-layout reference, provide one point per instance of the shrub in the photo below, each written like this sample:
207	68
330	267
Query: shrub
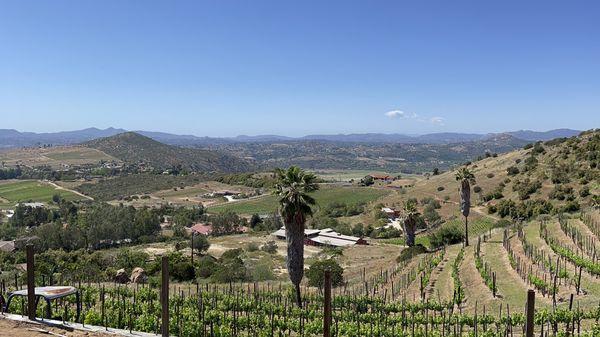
262	270
206	266
201	244
251	247
512	170
491	209
183	271
446	235
316	273
441	188
476	189
269	247
410	252
490	175
584	192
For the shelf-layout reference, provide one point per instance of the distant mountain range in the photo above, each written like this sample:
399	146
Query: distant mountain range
10	138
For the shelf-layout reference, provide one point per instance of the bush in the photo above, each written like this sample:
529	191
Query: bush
441	188
183	271
316	273
206	266
410	252
262	270
269	247
476	189
491	209
201	244
513	170
446	235
251	247
490	175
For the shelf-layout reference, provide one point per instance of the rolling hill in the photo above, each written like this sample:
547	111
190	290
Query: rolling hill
134	148
559	175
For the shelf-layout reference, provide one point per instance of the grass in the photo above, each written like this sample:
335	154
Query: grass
324	196
345	175
16	191
401	241
78	154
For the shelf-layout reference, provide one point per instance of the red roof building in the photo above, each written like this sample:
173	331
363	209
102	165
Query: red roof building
202	228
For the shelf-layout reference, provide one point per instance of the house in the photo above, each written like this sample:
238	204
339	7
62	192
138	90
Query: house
381	177
207	229
31	204
280	233
325	237
390	212
201	228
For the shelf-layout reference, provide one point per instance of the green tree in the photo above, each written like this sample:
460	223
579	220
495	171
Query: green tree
316	273
292	188
465	178
200	244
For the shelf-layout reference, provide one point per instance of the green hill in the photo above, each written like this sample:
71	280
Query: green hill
134	148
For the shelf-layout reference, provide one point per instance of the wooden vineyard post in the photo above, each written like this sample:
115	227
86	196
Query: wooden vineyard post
327	306
530	313
192	246
164	296
579	280
30	282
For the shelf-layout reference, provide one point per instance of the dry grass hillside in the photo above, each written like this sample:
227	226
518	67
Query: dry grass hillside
543	178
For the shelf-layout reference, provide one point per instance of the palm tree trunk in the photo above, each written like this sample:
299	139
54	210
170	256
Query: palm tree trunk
298	297
295	255
466	231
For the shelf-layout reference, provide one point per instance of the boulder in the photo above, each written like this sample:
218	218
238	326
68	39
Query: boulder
138	275
121	277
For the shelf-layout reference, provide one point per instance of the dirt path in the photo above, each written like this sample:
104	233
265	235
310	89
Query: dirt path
474	287
58	187
441	286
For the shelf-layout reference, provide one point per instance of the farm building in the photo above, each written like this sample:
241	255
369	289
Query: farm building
324	237
390	212
207	229
381	177
201	228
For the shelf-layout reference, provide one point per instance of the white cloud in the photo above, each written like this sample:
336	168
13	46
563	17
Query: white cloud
411	115
436	120
400	114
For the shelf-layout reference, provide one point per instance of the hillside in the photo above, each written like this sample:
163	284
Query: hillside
542	178
134	148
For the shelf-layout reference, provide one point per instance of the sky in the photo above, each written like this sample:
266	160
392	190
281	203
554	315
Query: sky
225	68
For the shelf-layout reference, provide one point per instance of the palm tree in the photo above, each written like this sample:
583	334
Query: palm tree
465	177
293	187
411	216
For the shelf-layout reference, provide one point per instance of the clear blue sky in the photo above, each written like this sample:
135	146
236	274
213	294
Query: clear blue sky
223	68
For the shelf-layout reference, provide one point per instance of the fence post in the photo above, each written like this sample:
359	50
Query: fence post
30	282
192	246
164	296
530	313
327	306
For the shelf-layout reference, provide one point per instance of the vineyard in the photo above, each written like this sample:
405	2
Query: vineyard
480	290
